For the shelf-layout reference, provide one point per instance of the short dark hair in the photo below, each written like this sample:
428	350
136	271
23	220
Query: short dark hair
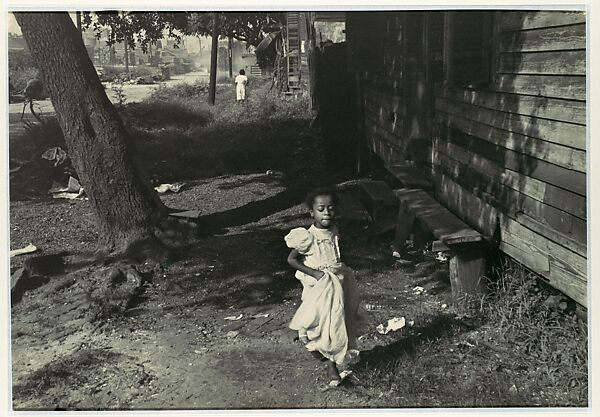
330	191
242	72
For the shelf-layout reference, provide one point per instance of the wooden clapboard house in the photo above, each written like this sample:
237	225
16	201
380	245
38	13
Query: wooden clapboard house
489	107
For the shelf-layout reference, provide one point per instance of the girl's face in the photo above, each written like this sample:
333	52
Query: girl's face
323	211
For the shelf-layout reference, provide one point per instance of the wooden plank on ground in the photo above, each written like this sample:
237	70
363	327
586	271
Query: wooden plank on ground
567	134
570	111
556	154
551	63
559	86
519	20
546	39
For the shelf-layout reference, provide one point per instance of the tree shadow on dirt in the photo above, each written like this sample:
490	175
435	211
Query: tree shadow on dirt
216	223
384	356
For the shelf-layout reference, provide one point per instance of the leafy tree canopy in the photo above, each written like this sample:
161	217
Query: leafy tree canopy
144	28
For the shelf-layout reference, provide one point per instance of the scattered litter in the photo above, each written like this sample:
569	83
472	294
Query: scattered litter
418	290
57	154
259	315
360	338
444	305
396	254
234	317
201	351
513	389
404	262
73	186
411	323
269	172
232	334
69	196
371	307
27	249
72	191
392	325
163	188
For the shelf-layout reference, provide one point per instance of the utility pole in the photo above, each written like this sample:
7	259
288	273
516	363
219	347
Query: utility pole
126	55
78	16
213	60
230	51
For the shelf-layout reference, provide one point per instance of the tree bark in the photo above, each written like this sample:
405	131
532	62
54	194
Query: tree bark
126	207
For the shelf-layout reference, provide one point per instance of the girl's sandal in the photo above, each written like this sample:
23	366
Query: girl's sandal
334	383
337	381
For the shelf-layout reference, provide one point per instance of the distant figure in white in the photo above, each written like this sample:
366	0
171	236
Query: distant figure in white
240	86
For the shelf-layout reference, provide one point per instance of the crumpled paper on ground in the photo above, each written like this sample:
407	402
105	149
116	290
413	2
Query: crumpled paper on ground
163	188
393	324
27	249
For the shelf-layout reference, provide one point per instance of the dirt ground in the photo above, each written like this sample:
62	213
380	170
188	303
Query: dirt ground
208	330
175	348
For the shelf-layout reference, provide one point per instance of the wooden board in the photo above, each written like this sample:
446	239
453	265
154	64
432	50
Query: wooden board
569	180
378	193
527	247
563	156
538	19
556	222
570	111
545	39
552	234
439	220
554	63
559	86
539	190
567	134
409	176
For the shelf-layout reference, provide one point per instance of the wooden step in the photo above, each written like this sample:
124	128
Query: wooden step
379	193
436	218
409	176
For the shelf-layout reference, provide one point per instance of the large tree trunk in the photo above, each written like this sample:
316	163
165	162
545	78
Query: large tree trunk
126	207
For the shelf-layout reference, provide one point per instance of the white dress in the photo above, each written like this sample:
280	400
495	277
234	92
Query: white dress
328	314
240	86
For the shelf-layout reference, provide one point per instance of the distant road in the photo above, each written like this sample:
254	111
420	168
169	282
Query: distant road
133	92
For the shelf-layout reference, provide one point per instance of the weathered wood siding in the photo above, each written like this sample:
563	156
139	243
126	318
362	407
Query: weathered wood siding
513	153
394	132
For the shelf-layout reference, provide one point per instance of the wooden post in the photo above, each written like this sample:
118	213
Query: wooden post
126	55
213	59
230	52
467	270
78	18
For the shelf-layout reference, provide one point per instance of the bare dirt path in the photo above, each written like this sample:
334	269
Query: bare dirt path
175	349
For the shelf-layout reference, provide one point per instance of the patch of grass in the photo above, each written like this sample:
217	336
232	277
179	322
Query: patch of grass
515	349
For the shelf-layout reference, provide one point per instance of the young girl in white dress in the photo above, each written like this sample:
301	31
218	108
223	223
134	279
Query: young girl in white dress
327	318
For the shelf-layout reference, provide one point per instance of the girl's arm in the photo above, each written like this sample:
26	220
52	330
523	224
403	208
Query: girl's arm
294	261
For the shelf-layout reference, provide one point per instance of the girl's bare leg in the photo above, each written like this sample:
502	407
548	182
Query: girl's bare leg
332	371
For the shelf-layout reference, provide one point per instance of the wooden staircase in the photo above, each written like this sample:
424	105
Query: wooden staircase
294	53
